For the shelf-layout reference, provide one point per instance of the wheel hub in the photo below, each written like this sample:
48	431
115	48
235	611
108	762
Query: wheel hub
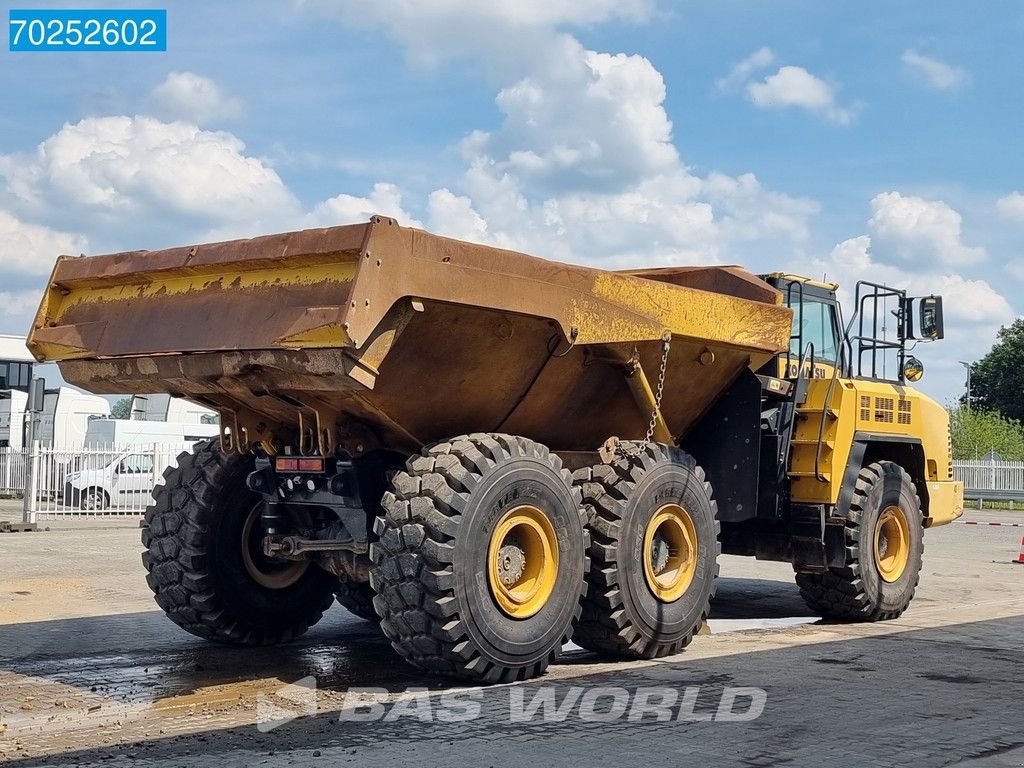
511	562
892	544
522	562
659	552
670	552
267	573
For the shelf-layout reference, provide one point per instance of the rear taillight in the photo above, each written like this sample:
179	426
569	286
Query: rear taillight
286	465
295	464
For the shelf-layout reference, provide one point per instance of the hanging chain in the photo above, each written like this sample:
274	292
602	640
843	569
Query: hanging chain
666	345
635	449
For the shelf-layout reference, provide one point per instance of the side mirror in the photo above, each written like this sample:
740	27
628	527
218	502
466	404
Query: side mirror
121	468
913	369
930	317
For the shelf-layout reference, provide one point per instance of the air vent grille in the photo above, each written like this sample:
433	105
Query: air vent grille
884	407
903	417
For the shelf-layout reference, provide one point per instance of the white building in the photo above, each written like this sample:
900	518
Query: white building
16	364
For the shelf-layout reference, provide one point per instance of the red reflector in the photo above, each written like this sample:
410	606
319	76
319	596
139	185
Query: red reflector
311	465
286	465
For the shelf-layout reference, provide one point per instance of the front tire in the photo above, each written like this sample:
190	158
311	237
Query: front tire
479	566
203	561
653	553
94	500
884	549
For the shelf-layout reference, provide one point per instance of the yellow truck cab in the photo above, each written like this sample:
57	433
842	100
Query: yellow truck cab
854	462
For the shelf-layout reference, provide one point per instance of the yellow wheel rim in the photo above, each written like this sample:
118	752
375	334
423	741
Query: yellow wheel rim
267	573
892	543
670	552
522	561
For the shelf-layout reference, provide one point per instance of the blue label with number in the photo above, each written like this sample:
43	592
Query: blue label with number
76	29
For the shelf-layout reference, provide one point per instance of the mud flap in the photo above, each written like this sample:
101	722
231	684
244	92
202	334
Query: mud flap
817	551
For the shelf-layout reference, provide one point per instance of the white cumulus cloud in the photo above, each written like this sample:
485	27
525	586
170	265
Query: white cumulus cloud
583	168
504	33
1011	206
748	211
932	72
974	309
1016	268
583	118
138	174
454	216
796	87
742	70
970	300
17	309
192	98
915	229
31	249
385	199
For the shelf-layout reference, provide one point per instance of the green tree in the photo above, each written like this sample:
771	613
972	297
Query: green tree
122	409
975	433
997	380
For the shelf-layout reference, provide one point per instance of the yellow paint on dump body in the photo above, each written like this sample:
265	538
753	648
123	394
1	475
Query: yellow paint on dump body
175	283
708	316
874	407
419	323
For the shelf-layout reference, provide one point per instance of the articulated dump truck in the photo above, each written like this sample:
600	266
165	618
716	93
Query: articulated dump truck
489	454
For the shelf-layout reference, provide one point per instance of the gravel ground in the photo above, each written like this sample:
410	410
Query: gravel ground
90	672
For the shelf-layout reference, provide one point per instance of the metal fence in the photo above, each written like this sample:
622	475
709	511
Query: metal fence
990	475
108	480
12	471
119	480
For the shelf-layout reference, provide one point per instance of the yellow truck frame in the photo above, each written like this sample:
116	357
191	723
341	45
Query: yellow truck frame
488	453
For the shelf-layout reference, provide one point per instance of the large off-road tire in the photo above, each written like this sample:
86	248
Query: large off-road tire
203	561
654	547
884	547
356	597
479	566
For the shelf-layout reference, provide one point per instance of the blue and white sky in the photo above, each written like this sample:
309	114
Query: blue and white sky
857	140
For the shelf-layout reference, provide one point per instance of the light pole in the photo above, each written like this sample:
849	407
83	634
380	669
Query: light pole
968	367
34	407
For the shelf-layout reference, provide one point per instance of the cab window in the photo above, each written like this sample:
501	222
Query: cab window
819	329
137	463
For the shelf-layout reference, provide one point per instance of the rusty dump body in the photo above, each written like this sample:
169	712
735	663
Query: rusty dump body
380	336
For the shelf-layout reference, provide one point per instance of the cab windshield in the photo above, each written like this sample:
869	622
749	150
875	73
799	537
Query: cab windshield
818	328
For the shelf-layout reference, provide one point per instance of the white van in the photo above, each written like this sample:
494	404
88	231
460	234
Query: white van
124	482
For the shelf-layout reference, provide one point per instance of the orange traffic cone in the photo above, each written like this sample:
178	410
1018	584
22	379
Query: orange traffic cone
1020	557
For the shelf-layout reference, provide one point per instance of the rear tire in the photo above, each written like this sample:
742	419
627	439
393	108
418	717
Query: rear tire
356	597
442	544
632	610
199	572
881	573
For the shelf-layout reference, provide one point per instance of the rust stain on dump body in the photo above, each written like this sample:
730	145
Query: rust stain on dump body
403	334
